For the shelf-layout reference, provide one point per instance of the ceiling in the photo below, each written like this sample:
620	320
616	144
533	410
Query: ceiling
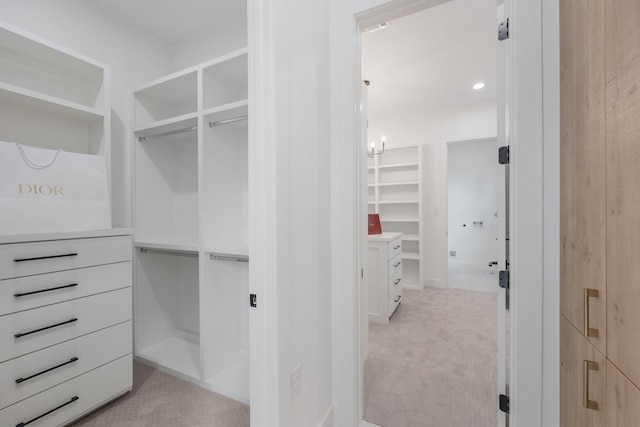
172	21
432	58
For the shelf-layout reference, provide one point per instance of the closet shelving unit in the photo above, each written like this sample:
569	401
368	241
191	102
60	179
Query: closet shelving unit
394	189
191	215
51	97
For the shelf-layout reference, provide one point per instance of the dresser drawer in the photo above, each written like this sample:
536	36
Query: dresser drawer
395	247
395	285
395	265
25	259
78	396
25	293
393	303
34	372
31	330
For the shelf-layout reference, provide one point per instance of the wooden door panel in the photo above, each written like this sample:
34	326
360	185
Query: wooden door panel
623	186
574	351
623	400
583	180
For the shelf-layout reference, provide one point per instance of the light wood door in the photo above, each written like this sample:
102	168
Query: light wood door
583	200
623	400
623	186
575	352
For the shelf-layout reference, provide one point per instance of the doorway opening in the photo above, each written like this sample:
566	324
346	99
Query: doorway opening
431	357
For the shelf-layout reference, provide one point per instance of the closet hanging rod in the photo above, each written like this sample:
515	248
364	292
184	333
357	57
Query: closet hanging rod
228	121
168	252
228	257
171	132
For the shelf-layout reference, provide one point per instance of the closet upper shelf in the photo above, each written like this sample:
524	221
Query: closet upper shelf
27	98
166	99
168	244
225	80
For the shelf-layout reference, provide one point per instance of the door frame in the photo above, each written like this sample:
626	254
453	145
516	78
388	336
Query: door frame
535	192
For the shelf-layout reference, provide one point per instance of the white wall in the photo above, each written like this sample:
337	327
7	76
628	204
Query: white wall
472	172
134	57
450	123
208	44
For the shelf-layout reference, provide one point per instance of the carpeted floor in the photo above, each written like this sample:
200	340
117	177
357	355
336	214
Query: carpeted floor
434	365
162	400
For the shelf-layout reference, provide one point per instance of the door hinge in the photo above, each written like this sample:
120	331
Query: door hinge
503	155
253	300
503	30
362	273
503	279
504	403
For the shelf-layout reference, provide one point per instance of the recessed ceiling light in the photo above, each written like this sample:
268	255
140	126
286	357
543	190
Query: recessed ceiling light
478	86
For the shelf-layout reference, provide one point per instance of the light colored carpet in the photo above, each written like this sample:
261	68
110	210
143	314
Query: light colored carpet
162	400
434	365
474	279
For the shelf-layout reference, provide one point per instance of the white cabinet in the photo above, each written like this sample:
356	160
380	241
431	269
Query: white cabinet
385	264
191	216
65	323
51	97
394	189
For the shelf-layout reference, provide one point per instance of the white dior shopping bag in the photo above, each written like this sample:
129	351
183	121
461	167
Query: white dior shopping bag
49	191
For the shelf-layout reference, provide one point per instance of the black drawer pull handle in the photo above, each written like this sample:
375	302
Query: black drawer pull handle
398	299
397	247
21	380
73	399
24	294
22	334
397	281
45	257
397	264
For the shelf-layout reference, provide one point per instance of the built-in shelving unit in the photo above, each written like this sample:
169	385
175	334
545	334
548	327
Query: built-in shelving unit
51	97
394	189
191	214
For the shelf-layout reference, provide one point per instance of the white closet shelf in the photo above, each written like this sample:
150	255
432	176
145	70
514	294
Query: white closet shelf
226	111
399	219
399	183
398	166
411	255
168	244
28	98
168	125
410	237
397	202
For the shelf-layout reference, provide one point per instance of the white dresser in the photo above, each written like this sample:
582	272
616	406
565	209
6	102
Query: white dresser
65	325
385	275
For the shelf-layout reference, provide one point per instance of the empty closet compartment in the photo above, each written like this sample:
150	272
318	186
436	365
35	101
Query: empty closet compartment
398	173
227	324
50	97
44	72
166	186
398	192
226	200
166	100
225	80
399	212
166	320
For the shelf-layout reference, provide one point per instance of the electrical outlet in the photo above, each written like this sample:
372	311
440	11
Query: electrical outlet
452	253
296	381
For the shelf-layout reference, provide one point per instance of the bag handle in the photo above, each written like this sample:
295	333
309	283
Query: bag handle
31	164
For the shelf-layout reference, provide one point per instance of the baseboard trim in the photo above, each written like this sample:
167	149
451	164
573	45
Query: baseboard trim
368	424
327	420
417	288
